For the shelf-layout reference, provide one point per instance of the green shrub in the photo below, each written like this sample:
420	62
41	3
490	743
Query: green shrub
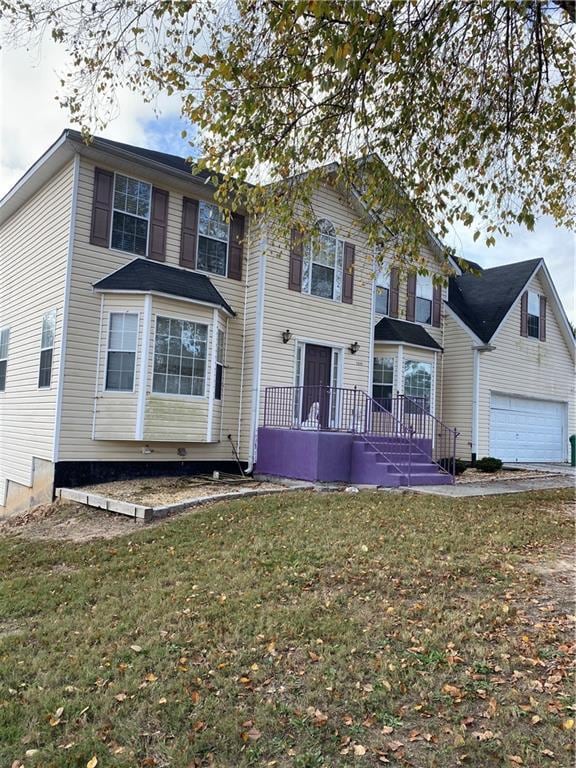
489	464
459	466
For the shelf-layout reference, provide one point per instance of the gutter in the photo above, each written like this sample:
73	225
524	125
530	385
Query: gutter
476	351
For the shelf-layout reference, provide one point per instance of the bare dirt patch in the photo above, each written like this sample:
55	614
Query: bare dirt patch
65	521
159	491
472	475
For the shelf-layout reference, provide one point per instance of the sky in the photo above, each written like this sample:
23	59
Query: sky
31	120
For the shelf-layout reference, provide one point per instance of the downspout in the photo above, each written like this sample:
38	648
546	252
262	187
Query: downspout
144	362
257	355
243	363
372	330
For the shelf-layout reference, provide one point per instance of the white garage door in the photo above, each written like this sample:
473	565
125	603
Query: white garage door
526	430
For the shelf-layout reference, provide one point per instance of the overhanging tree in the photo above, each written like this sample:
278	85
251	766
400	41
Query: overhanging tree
437	113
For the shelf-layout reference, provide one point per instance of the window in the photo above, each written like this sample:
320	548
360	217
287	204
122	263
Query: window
323	261
533	315
418	382
131	215
121	351
180	351
4	337
212	239
424	299
219	365
46	349
383	380
383	293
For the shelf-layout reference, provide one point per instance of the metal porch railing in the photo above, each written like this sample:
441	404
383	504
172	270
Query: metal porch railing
339	409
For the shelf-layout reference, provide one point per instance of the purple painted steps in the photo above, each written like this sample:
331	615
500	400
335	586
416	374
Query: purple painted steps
386	461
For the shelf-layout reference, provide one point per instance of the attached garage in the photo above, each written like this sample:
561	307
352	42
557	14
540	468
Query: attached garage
522	429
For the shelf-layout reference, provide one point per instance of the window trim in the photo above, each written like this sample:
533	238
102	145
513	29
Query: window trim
430	363
531	314
115	392
45	349
114	209
209	237
171	395
308	255
5	359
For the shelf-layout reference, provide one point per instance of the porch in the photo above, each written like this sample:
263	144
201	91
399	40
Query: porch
333	434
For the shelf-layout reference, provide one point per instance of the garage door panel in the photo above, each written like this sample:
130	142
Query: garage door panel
522	429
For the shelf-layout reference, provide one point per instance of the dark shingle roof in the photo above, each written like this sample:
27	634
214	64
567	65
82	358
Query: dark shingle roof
143	275
483	300
407	333
171	161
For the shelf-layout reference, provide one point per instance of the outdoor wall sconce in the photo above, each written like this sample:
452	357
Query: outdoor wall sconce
354	347
286	336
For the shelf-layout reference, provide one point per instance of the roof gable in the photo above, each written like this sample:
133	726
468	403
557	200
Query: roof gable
483	300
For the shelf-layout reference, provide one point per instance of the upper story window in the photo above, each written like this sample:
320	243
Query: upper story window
180	354
121	359
383	292
212	239
424	293
323	259
4	338
47	348
533	315
131	215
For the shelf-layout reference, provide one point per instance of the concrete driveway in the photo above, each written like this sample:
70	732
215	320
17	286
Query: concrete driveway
563	469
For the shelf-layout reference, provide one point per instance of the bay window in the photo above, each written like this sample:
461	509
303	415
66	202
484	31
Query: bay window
418	382
121	357
383	380
424	291
131	215
323	261
213	232
180	355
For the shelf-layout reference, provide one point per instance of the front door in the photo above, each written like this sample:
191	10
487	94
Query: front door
317	373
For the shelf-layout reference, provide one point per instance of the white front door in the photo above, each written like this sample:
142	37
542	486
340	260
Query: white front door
522	429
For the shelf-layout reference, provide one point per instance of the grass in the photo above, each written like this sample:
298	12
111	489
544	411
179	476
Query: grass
304	630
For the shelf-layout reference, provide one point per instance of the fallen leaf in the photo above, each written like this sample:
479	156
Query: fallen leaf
394	746
451	690
568	724
387	729
483	735
121	697
516	759
151	677
92	763
136	648
359	750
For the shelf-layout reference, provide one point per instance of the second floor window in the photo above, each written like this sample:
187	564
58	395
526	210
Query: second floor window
131	215
47	349
323	259
180	354
424	292
383	293
533	315
212	239
4	337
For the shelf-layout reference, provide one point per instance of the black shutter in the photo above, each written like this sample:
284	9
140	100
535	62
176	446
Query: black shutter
189	233
348	273
436	306
524	314
158	225
542	334
411	297
296	259
101	207
394	292
235	248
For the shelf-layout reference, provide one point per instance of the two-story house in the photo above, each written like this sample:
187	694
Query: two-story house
143	332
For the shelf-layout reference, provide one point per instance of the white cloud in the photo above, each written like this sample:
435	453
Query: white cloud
31	119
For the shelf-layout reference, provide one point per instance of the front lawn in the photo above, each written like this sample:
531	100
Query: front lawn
300	630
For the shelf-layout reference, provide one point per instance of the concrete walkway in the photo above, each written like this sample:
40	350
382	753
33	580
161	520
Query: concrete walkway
494	488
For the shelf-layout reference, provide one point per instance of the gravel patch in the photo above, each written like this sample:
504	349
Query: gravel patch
472	475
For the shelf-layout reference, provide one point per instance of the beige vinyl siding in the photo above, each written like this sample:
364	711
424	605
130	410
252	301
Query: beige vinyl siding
33	259
458	384
526	367
91	263
311	318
